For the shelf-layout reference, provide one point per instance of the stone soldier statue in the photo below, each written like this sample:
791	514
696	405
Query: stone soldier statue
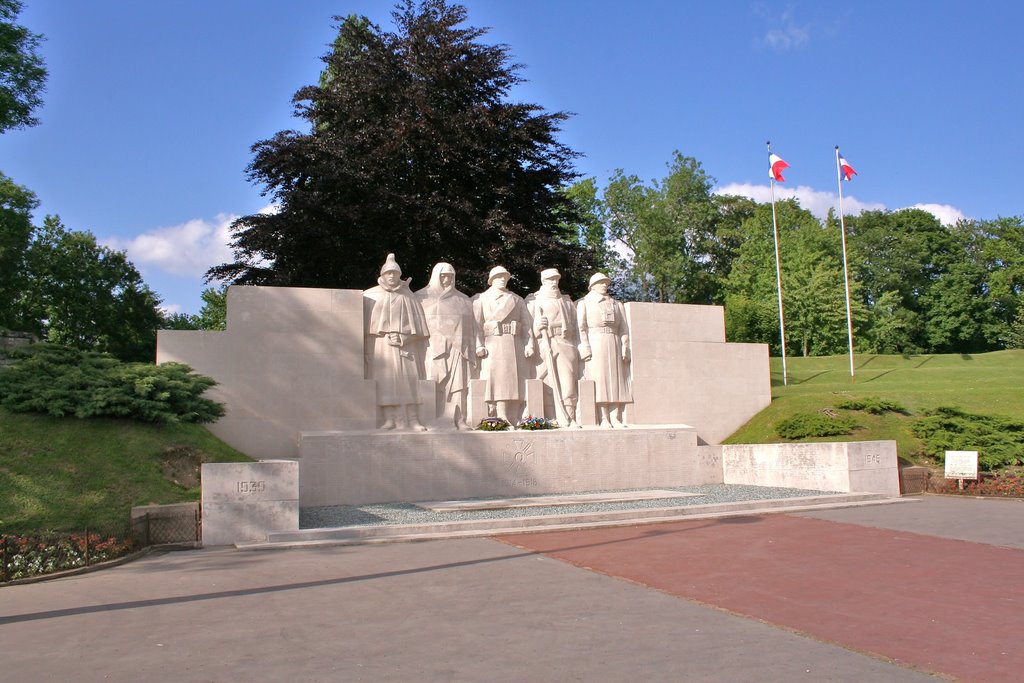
554	328
451	352
397	331
604	346
507	343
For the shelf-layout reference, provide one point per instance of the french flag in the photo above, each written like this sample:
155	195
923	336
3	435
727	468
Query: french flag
775	167
846	169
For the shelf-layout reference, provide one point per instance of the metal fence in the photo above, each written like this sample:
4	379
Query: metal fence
158	524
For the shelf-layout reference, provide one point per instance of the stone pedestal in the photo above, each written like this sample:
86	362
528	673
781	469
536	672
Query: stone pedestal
370	467
243	501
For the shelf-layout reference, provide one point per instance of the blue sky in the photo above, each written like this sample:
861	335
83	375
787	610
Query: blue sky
151	107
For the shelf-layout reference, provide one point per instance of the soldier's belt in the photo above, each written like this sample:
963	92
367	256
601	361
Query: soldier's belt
495	330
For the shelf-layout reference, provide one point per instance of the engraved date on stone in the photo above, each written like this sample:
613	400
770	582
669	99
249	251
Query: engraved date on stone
251	487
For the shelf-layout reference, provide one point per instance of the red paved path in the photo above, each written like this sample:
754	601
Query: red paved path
941	605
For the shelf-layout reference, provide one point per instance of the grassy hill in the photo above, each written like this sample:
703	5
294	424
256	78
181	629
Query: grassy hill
990	383
68	474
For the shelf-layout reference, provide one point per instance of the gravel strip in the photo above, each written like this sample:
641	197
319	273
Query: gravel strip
330	516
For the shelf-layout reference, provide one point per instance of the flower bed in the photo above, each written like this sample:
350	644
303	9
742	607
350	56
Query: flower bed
25	556
993	485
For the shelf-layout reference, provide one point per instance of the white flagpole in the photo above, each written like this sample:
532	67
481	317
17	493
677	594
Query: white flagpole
778	269
846	270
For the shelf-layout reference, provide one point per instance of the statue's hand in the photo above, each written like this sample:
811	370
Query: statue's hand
585	353
625	355
542	322
394	339
481	352
529	351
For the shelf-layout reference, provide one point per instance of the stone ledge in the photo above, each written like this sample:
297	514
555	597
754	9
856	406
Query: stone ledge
503	526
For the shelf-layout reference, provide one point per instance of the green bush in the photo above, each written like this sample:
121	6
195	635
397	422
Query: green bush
873	405
998	440
60	381
803	425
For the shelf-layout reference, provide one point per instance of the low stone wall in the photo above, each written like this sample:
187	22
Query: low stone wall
344	468
847	467
243	501
12	340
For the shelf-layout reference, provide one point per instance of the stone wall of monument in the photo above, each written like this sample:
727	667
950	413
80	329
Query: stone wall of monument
292	360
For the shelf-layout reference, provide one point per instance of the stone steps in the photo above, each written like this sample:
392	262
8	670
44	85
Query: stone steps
362	534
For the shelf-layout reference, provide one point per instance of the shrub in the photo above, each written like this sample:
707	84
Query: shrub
61	381
873	405
998	440
803	425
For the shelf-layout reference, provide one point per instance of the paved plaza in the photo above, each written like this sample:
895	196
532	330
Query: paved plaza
923	590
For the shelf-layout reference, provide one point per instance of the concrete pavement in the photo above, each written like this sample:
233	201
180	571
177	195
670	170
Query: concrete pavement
477	609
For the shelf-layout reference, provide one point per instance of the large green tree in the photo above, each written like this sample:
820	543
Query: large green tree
413	147
16	230
212	316
88	296
812	283
668	228
902	254
22	72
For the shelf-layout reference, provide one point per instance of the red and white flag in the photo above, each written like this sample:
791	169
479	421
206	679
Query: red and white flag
846	169
775	167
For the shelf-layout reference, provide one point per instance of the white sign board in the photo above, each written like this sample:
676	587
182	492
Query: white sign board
961	464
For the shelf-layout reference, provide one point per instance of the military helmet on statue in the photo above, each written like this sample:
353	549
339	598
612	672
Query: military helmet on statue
390	266
498	271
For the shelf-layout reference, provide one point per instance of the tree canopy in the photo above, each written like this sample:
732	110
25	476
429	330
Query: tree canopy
22	72
916	285
87	296
413	147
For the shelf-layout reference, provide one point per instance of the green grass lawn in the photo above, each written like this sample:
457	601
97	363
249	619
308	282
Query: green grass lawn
64	474
989	383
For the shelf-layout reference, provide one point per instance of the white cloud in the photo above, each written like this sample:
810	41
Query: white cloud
787	34
815	201
186	249
948	215
171	309
818	202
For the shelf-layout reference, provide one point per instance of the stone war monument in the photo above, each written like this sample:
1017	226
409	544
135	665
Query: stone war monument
375	393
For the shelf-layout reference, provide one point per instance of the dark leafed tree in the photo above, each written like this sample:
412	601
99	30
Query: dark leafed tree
22	73
413	147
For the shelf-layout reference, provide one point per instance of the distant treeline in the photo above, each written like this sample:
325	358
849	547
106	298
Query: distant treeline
916	285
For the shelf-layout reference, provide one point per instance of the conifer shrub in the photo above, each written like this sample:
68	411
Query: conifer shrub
873	405
62	381
804	425
998	440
